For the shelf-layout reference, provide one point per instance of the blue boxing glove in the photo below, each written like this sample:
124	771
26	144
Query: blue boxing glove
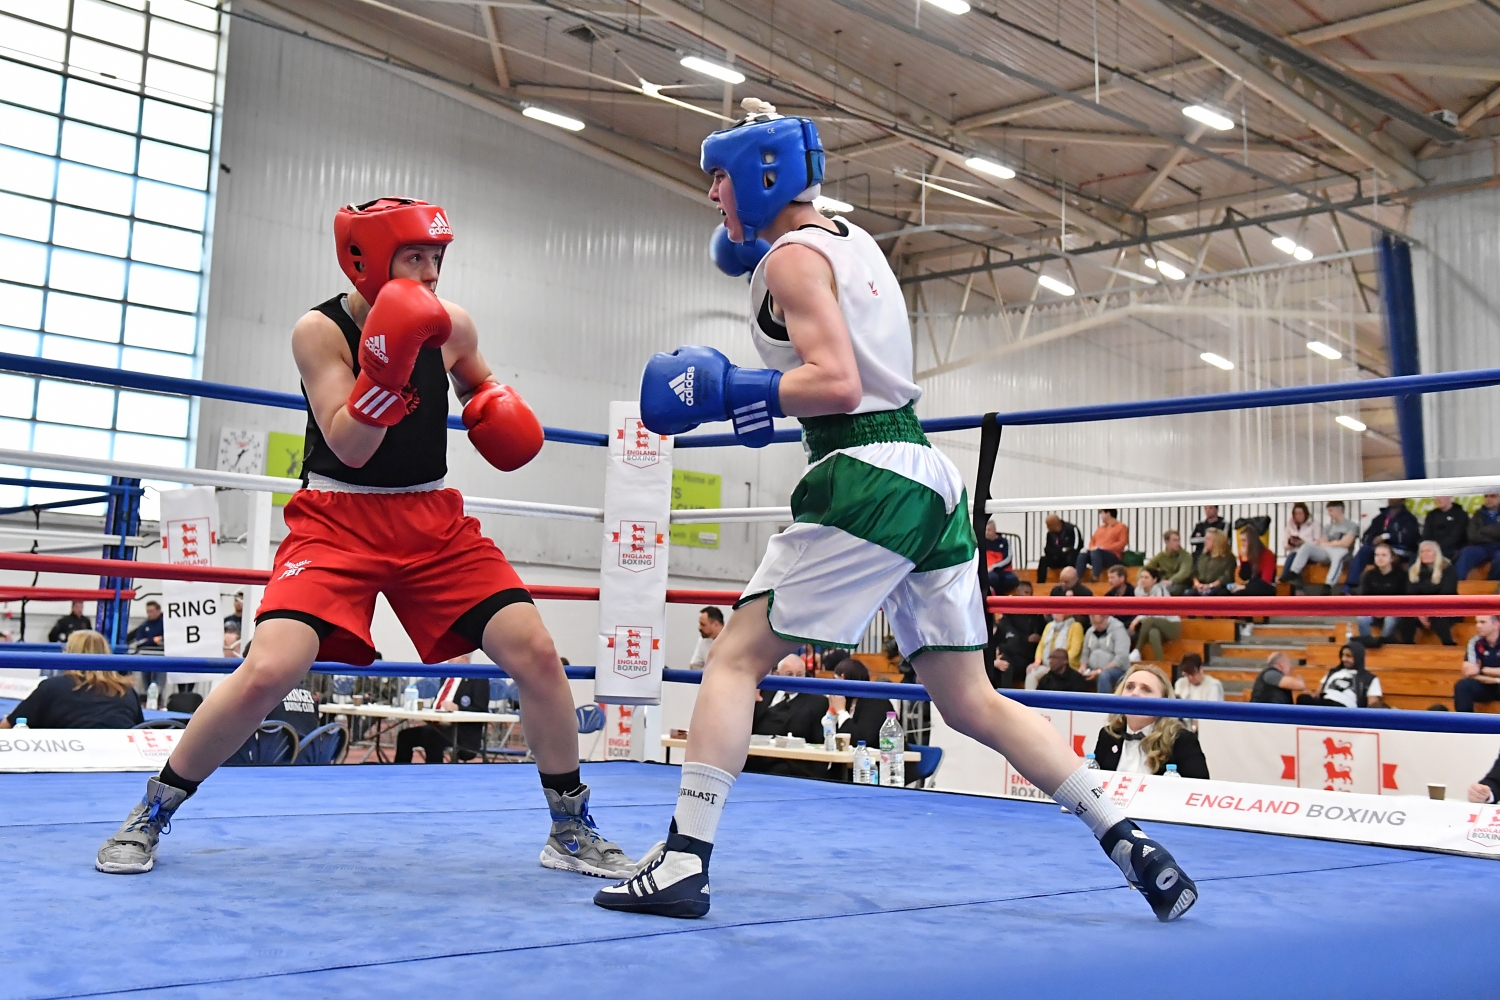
695	385
734	259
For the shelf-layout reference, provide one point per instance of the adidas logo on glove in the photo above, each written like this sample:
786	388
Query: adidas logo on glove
376	346
683	386
439	226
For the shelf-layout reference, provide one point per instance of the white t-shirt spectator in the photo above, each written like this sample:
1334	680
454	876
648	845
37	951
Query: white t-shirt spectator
1209	690
1339	686
700	653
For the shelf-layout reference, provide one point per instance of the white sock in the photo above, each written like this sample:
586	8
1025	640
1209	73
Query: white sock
700	800
1080	793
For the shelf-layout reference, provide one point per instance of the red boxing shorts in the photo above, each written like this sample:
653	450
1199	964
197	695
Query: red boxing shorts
418	549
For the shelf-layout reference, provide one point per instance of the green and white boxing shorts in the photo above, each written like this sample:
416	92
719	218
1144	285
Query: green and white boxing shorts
881	520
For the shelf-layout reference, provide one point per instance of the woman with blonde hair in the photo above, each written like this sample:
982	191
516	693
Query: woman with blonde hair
80	699
1214	568
1147	744
1431	573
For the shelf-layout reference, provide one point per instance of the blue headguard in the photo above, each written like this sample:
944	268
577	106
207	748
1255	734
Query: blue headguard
771	160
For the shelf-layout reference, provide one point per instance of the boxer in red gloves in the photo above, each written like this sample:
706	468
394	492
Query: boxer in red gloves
373	517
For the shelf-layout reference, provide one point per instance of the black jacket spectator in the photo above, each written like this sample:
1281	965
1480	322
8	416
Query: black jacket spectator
1061	547
1068	680
66	626
1398	528
1187	754
1014	643
298	710
797	714
76	701
1449	528
1424	587
866	716
147	633
1377	584
1492	781
1267	689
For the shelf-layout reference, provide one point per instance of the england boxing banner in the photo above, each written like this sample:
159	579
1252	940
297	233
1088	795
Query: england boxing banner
194	619
633	563
86	749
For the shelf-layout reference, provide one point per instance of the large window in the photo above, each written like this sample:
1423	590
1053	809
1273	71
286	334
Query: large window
107	115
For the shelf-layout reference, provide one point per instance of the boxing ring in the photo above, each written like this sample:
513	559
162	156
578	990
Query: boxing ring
329	881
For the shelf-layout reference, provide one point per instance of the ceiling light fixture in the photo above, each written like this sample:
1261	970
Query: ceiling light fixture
1302	253
553	118
951	6
1217	361
1053	285
1285	244
1357	426
983	166
1208	116
1322	349
1166	270
715	70
823	203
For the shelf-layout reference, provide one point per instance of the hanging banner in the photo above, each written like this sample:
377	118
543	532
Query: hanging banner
633	563
193	617
86	749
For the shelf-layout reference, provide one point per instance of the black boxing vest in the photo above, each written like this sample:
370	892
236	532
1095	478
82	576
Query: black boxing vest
415	451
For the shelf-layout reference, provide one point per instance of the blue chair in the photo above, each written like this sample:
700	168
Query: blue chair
428	687
918	773
160	724
590	720
275	742
505	689
324	745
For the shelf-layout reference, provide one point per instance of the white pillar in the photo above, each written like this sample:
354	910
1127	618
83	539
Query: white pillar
258	544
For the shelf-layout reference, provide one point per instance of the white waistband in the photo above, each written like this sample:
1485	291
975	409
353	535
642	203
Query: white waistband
327	485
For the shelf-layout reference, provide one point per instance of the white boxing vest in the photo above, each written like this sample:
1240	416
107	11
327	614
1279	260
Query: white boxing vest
874	311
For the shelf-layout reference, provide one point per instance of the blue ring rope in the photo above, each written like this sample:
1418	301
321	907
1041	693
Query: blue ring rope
1400	385
1227	711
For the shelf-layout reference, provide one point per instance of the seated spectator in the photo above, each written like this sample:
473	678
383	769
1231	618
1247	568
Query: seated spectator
1257	568
69	623
1394	526
236	620
1059	676
1061	548
1211	520
81	699
1483	540
148	634
1173	565
1106	545
1146	744
997	561
1068	580
1117	581
1301	530
1276	682
1348	685
1213	570
1335	539
1448	525
1481	669
299	709
710	624
467	694
1015	639
1487	789
790	713
861	718
1194	684
1384	579
231	642
896	663
1106	652
1430	575
1153	632
1062	633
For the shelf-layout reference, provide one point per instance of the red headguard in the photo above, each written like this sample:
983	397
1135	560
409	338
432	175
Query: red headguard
369	235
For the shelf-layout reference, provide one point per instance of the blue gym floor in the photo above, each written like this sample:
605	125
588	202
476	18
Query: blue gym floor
404	881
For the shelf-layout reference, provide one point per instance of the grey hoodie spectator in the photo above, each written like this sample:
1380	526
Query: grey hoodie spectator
1106	652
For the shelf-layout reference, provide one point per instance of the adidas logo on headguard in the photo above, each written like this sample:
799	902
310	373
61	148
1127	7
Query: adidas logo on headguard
439	226
683	385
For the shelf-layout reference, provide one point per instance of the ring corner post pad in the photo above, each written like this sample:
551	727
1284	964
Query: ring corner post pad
633	582
990	429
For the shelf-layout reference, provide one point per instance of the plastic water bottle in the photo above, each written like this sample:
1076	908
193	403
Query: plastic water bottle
830	731
1171	772
892	752
409	698
20	724
1093	765
862	765
153	697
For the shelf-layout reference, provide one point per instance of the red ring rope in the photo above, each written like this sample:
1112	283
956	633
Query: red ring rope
1457	605
60	594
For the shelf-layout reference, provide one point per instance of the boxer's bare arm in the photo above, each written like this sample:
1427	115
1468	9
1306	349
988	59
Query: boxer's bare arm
466	366
327	370
801	284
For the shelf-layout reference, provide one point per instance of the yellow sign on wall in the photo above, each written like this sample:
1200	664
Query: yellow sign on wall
284	459
696	491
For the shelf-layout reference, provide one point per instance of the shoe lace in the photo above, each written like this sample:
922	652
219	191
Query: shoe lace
585	826
150	818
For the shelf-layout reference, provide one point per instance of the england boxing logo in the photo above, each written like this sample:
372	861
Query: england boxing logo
639	447
638	541
633	646
439	226
1339	760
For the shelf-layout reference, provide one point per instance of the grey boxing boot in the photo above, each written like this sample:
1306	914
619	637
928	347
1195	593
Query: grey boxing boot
132	849
575	844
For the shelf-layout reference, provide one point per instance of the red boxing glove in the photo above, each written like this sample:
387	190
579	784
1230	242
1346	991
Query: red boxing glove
405	318
502	427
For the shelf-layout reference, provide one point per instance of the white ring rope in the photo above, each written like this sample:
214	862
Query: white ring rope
49	535
1378	490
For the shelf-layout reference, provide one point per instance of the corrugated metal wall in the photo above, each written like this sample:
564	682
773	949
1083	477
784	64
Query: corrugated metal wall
574	271
1455	270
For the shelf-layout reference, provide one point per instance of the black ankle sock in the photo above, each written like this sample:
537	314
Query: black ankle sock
563	784
171	777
